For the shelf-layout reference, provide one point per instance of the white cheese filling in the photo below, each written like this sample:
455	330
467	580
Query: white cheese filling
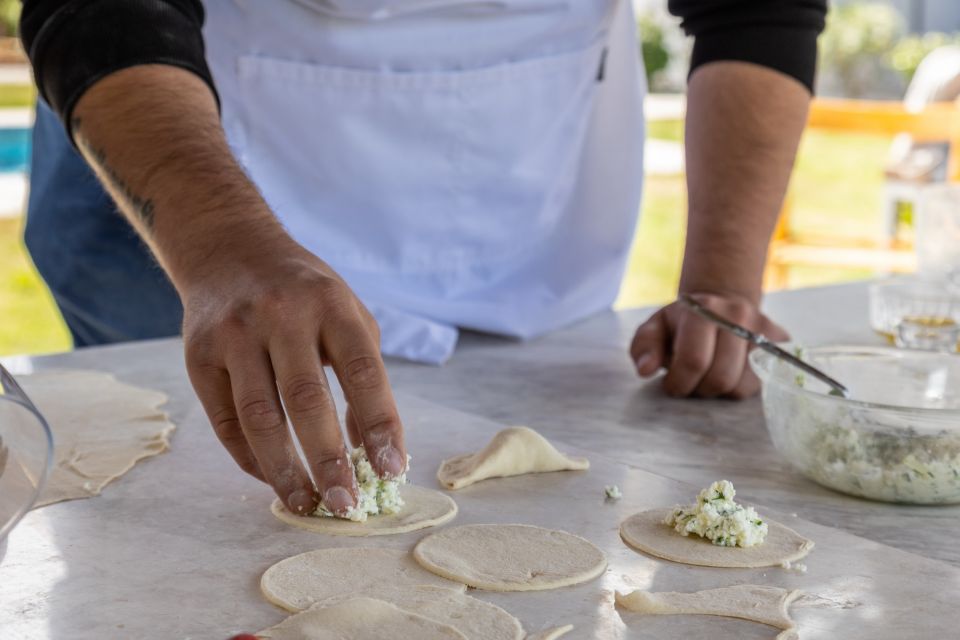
376	495
719	519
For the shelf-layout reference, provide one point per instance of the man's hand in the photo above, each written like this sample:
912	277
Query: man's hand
257	336
702	359
743	125
261	314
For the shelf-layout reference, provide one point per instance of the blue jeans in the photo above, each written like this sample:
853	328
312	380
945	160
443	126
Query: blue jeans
104	279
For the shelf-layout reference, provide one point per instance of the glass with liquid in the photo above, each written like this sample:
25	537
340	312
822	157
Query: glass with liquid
917	313
26	452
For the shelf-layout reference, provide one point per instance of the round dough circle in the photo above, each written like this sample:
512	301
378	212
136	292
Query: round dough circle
647	532
424	508
360	617
302	580
471	616
510	557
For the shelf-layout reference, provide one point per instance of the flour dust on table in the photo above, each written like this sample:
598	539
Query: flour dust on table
301	581
101	429
510	557
512	452
422	508
359	618
767	605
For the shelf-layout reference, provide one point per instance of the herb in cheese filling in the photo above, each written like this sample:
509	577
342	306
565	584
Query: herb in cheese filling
719	519
376	496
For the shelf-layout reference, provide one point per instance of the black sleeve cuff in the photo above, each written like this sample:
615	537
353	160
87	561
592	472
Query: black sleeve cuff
789	50
74	43
779	34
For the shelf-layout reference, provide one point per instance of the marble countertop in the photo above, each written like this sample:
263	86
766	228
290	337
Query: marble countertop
176	547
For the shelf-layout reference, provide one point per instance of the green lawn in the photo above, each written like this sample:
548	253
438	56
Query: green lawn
17	95
836	191
30	322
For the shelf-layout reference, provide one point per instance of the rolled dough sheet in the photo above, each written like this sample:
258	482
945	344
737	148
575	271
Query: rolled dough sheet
474	618
647	532
422	508
300	581
101	428
551	634
512	452
767	605
359	619
510	557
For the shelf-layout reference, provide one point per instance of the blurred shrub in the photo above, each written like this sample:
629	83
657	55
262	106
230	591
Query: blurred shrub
857	44
9	17
911	50
653	46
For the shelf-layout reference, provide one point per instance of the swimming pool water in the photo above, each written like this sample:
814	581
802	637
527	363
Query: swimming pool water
15	150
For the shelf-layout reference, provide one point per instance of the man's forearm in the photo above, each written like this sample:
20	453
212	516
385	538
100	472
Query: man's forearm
743	127
153	135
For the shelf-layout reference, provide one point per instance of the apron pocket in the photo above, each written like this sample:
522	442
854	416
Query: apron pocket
418	172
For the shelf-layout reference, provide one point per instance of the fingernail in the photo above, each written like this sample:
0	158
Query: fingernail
301	501
338	499
642	361
392	463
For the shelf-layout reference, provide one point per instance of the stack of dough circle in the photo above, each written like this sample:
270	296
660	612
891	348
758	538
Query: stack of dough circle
325	583
300	581
422	508
647	532
510	557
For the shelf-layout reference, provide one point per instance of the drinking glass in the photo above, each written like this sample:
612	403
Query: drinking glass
26	452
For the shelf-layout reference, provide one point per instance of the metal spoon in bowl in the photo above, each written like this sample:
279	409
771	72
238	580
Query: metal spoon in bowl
762	342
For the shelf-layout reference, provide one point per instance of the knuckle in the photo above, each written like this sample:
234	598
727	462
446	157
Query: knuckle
715	386
249	466
690	362
260	416
363	372
381	429
304	393
235	320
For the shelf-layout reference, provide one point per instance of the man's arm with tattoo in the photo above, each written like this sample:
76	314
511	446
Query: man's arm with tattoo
261	314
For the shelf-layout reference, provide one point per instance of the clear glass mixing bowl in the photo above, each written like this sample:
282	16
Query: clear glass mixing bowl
896	439
26	453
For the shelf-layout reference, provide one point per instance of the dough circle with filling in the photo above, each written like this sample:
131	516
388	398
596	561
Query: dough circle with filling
647	532
422	508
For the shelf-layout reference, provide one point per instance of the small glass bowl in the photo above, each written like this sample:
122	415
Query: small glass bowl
896	439
930	309
26	453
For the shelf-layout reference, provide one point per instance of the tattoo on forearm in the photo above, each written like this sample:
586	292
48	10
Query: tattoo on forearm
143	207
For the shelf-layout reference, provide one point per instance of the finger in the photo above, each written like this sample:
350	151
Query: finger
355	356
353	430
749	384
212	385
648	350
693	347
726	370
773	331
313	413
265	427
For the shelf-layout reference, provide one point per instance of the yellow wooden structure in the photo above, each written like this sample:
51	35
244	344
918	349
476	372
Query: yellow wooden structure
938	122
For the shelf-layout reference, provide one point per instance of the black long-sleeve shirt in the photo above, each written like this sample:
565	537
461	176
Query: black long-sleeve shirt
74	43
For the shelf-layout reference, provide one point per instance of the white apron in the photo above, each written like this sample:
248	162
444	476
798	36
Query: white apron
461	163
